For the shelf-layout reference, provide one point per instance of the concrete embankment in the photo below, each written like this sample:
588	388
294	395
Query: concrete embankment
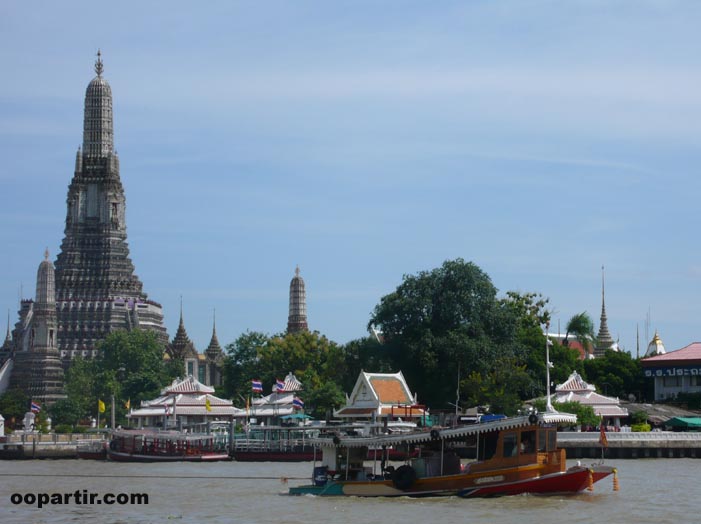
658	444
33	445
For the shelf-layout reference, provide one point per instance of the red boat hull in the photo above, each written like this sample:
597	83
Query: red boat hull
574	480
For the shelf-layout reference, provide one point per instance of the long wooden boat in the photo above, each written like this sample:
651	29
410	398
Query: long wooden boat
163	446
517	455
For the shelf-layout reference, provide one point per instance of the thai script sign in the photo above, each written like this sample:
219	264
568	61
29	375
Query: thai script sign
674	372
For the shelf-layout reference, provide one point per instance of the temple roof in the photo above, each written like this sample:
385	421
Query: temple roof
214	350
380	394
686	355
575	383
187	385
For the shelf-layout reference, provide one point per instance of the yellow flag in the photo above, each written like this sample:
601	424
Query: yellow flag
100	406
207	405
127	404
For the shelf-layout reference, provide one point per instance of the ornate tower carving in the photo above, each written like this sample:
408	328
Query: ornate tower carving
297	319
96	288
38	370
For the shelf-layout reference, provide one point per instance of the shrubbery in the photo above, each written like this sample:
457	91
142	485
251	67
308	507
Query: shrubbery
641	428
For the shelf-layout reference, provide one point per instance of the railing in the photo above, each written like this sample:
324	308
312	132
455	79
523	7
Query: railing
652	436
53	438
268	445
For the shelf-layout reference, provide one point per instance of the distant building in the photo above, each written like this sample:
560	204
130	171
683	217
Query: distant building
381	396
206	367
674	372
297	319
575	389
185	402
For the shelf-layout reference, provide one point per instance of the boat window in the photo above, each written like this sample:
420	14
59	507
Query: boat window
552	440
542	440
488	446
510	445
527	442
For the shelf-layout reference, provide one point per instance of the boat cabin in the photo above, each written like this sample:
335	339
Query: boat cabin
436	454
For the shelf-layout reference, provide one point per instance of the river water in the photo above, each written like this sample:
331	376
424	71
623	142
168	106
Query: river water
651	490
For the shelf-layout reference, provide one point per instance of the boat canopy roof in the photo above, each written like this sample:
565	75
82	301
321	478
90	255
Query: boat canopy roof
447	433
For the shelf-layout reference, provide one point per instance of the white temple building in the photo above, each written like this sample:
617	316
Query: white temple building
381	396
575	389
186	402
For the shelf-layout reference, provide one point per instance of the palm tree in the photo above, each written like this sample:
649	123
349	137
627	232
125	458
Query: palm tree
582	328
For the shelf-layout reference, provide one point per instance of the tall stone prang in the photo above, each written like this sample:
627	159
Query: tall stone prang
37	369
297	319
96	289
604	340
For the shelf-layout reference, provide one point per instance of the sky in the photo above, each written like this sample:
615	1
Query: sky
364	141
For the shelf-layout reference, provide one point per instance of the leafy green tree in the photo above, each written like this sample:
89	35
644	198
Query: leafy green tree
131	366
320	401
14	403
582	328
241	364
365	354
309	355
439	320
67	411
616	373
500	389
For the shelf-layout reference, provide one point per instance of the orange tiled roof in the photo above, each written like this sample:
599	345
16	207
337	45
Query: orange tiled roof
390	391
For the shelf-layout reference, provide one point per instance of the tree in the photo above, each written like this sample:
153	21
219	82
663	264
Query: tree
616	373
241	364
14	403
439	320
320	402
130	367
582	327
312	357
365	354
67	411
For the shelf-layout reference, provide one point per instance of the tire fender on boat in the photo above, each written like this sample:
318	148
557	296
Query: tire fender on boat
533	418
404	477
113	445
435	434
336	440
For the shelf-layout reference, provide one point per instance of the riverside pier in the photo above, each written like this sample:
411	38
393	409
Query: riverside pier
655	444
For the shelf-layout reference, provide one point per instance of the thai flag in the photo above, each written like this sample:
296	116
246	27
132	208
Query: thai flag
298	403
279	385
257	386
36	407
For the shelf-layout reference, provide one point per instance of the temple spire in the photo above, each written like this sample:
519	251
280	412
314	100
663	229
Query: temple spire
297	319
604	340
214	349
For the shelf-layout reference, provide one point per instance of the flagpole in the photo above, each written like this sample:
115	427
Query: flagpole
548	403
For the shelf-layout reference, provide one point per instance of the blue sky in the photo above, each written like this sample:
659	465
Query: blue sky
364	141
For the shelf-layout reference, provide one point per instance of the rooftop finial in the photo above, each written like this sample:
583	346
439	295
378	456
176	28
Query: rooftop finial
46	254
98	64
297	271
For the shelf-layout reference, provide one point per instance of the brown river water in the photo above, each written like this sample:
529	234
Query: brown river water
651	490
